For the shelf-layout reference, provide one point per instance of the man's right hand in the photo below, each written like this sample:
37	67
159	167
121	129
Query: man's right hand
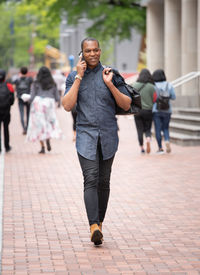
81	67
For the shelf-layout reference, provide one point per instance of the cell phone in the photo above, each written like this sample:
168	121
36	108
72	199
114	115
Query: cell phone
81	55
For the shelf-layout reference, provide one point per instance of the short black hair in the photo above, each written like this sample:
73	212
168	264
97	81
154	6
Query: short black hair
24	70
88	39
159	75
2	75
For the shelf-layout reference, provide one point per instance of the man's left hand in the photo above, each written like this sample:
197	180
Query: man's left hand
107	75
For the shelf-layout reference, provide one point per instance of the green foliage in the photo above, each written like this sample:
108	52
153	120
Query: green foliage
31	28
5	38
107	56
37	23
111	18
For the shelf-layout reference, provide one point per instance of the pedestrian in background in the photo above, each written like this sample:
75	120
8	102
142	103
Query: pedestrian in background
23	86
43	123
162	116
91	87
143	120
59	79
6	100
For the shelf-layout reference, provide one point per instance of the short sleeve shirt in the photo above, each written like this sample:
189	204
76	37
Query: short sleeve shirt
95	114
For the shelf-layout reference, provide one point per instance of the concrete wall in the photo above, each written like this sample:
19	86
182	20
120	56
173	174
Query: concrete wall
173	43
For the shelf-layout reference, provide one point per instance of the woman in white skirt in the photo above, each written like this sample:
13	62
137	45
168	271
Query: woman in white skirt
43	124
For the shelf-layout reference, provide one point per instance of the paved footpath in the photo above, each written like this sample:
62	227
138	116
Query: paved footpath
152	224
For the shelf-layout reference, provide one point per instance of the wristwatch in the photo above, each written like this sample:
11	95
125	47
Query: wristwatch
78	76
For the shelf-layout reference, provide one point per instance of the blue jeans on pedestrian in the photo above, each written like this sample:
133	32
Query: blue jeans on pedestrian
23	105
161	122
96	175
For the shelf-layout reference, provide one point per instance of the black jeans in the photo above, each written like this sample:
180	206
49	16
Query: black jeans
23	105
143	122
96	175
5	119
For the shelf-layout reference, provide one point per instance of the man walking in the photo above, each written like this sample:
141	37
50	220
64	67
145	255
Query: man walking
92	89
23	86
6	100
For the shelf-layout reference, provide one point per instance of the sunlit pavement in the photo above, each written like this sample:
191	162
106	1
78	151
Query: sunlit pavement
152	224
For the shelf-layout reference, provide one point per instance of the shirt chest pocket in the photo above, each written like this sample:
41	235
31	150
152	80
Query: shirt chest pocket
83	87
85	94
103	94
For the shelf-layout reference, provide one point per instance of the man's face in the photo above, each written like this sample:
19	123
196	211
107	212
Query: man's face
91	53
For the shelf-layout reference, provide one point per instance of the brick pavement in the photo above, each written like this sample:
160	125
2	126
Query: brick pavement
153	219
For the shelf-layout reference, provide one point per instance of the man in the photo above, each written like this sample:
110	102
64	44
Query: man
23	86
6	100
91	87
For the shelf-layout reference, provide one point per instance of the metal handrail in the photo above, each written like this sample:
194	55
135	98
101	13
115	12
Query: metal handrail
185	78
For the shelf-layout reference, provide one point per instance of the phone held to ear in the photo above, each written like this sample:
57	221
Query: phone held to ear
82	57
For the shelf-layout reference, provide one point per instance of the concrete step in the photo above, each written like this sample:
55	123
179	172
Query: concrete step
187	129
184	140
189	111
186	119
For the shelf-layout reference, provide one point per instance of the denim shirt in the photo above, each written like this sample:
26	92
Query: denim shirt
95	114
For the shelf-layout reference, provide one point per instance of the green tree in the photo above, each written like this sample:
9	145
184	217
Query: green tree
37	23
111	18
25	30
6	41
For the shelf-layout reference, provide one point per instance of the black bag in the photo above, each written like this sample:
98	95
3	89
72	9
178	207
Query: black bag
5	97
163	99
136	105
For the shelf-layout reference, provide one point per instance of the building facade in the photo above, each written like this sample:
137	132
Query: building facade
173	36
173	39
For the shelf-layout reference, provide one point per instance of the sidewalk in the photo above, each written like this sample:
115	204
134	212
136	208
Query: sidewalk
153	221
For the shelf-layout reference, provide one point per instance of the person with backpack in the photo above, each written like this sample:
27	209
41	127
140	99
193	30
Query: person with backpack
143	120
6	100
162	109
23	86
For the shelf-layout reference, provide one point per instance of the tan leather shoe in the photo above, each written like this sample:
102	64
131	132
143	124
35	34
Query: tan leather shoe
96	235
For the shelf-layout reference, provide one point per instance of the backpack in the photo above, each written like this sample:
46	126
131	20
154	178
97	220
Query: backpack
23	86
5	96
163	99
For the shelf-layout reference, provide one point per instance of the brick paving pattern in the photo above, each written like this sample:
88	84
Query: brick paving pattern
152	224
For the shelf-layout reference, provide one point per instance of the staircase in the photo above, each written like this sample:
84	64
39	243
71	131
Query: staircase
185	126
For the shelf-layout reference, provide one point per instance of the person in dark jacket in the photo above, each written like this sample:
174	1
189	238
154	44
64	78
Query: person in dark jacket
143	120
23	86
6	100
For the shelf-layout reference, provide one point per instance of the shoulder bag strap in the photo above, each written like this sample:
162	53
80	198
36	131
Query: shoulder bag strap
141	87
